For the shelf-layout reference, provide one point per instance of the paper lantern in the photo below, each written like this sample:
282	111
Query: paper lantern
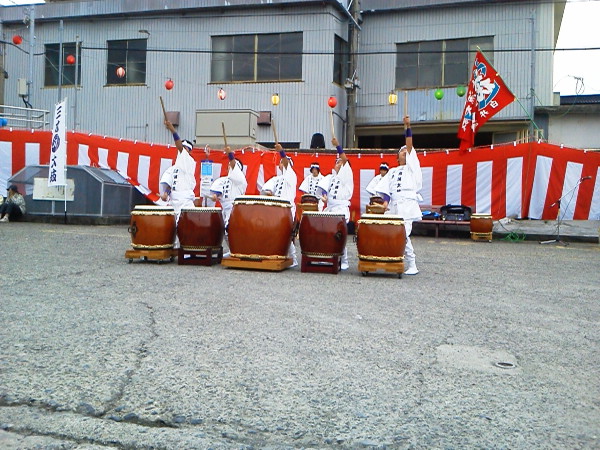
439	94
120	72
275	99
392	98
17	39
332	102
70	59
169	84
221	94
461	90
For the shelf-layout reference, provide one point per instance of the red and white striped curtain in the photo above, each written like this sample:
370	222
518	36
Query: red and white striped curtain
515	180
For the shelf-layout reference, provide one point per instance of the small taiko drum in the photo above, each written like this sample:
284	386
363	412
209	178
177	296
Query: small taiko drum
308	202
375	205
481	223
323	234
200	228
152	227
380	238
260	227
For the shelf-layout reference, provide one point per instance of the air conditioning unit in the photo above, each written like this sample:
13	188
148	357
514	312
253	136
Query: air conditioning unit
239	124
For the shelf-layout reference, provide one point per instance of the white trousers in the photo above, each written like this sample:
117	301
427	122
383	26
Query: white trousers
409	252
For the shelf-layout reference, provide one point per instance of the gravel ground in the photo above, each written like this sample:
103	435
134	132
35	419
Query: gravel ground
492	345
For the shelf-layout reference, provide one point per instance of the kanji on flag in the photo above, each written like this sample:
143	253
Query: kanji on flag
486	96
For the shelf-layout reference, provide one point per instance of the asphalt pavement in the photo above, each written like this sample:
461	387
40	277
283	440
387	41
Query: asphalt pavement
492	345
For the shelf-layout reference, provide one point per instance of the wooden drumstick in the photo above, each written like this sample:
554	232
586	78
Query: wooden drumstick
163	107
224	135
332	126
405	103
274	131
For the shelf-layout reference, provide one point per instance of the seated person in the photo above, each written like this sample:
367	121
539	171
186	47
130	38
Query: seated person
13	208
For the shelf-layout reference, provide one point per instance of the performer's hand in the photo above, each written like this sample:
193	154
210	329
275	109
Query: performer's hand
169	126
228	149
278	146
406	121
335	142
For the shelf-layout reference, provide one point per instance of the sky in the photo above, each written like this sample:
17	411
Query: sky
579	29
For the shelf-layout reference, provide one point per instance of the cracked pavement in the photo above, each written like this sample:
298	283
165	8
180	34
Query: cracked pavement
99	353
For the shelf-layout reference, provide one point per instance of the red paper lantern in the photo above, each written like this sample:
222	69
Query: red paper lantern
169	84
221	94
120	72
70	59
17	39
332	102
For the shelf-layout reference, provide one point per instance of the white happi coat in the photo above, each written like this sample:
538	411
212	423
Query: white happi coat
401	186
183	182
229	188
284	186
371	187
309	185
339	188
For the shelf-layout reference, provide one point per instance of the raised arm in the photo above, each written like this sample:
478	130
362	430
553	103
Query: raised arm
340	150
408	134
176	137
284	159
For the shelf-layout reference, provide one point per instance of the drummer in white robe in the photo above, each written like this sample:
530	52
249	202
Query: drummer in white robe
309	184
284	186
400	190
383	170
226	189
337	189
183	175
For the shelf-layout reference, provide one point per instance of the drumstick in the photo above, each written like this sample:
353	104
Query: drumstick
332	127
163	107
405	103
274	131
224	135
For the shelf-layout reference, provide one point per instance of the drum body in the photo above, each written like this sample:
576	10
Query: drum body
200	228
152	227
260	227
308	202
381	238
323	234
481	223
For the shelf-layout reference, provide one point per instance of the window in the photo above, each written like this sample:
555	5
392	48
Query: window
433	64
68	70
131	56
257	57
340	61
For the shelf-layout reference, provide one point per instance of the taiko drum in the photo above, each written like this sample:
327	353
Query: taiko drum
260	227
322	234
481	223
380	237
200	228
152	227
308	202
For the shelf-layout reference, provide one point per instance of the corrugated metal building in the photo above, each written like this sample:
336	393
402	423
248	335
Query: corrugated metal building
298	49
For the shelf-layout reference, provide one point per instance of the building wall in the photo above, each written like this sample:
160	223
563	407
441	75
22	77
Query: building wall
575	130
134	112
510	24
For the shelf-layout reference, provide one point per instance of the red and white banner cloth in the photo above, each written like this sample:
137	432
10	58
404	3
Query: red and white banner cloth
514	180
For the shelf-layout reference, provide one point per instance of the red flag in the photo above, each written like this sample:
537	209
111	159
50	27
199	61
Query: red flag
486	96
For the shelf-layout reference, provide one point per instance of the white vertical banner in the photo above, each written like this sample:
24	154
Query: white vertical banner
483	188
514	189
454	184
58	149
427	189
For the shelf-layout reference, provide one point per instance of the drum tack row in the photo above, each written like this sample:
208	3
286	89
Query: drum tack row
260	231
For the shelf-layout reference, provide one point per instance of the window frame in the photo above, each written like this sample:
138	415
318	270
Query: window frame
340	60
51	65
133	66
446	78
233	55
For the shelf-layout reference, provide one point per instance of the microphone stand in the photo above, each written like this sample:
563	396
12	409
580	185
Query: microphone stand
558	240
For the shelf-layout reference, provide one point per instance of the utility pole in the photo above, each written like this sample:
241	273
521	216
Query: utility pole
532	92
352	83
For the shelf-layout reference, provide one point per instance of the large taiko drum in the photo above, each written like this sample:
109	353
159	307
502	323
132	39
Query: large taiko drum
152	227
323	234
481	223
380	238
260	227
200	229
